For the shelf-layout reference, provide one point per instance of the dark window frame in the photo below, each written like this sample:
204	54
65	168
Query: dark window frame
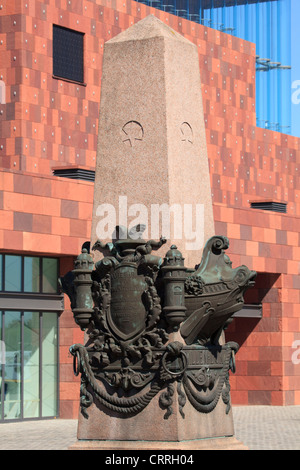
22	291
59	63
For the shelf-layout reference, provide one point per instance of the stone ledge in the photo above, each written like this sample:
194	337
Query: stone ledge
225	443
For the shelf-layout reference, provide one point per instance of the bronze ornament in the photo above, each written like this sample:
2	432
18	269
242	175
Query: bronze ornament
132	302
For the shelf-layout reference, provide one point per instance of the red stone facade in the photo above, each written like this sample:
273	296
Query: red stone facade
48	123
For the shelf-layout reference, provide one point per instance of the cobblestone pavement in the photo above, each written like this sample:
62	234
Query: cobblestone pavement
258	427
268	427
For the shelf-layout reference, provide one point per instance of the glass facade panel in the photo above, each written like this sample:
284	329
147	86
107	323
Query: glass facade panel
267	23
49	365
31	274
28	274
13	273
50	275
28	339
2	362
12	368
31	399
1	269
28	365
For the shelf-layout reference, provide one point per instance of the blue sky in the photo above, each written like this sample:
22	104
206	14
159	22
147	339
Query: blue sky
295	92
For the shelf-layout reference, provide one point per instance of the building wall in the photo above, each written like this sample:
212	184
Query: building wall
48	123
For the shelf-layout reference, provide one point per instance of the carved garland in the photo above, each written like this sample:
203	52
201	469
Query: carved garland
203	395
206	402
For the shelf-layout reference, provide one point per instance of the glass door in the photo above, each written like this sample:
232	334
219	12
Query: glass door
11	379
28	365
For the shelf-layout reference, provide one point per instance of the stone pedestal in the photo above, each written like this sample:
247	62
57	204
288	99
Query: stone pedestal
149	430
226	443
150	425
157	427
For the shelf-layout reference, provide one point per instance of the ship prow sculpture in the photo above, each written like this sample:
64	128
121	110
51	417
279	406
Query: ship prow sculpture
132	303
213	293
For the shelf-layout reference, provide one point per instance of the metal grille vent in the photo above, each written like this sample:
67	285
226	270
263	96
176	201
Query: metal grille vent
75	173
270	206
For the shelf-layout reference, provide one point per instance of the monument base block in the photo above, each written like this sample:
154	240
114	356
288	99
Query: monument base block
151	431
224	443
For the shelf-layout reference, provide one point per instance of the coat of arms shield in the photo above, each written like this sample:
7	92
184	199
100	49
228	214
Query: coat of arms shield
127	314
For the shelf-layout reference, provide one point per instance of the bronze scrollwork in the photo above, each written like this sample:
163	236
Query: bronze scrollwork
130	301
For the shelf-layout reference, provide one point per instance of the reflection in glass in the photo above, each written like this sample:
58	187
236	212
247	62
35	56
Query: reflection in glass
12	376
50	270
49	366
31	274
1	261
31	397
13	272
2	362
28	364
267	23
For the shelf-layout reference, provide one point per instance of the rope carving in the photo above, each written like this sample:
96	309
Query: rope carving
122	405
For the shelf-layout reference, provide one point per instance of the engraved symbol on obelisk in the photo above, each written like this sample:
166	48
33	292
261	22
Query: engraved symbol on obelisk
133	131
186	133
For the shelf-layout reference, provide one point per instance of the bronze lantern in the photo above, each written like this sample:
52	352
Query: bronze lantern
173	272
82	273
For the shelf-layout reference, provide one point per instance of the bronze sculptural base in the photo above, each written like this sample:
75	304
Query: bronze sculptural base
154	369
150	430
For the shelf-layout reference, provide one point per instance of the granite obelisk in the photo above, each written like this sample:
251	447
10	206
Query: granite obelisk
152	157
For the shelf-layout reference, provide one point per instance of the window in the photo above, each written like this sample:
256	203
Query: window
28	365
29	314
12	270
49	275
67	54
30	274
